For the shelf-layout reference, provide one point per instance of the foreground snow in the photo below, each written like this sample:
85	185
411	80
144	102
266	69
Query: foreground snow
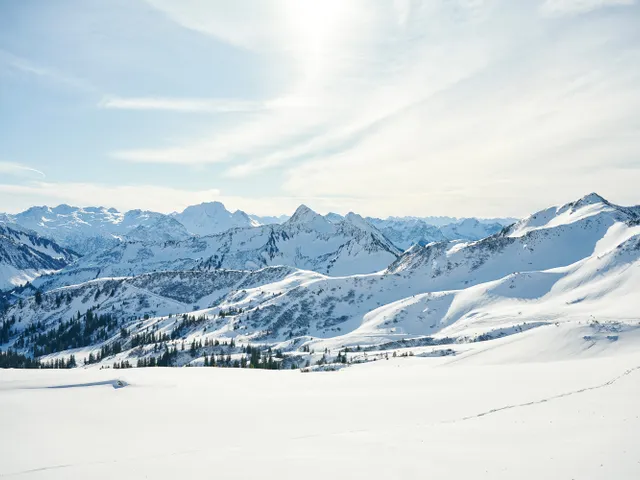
508	408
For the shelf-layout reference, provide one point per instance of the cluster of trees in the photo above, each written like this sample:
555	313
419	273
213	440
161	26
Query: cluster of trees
75	333
265	360
230	312
12	359
253	358
59	298
184	325
106	350
122	364
197	346
167	359
60	363
148	338
5	329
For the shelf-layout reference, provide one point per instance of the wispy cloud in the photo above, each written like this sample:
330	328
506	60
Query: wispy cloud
18	170
389	108
26	66
439	101
205	105
573	7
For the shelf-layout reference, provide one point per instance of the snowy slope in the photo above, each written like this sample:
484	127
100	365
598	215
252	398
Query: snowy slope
25	255
457	419
213	218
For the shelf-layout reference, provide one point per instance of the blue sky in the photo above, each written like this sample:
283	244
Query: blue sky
468	107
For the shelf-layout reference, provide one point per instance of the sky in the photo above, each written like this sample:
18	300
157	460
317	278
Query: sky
443	107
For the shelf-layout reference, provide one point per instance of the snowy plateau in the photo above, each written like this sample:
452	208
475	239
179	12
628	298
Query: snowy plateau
341	346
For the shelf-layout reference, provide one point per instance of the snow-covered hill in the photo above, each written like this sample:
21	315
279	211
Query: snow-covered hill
24	256
213	218
86	230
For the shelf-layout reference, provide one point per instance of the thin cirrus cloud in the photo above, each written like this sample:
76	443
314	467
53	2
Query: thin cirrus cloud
19	170
424	103
203	105
65	79
572	7
458	94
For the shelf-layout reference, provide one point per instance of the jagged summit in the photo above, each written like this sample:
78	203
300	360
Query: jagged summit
305	219
211	218
592	198
309	219
302	213
587	200
358	221
334	217
587	209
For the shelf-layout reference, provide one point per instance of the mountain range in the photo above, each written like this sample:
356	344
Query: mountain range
86	230
319	282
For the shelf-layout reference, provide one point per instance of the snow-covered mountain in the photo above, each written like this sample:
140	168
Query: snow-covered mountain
24	256
407	231
441	221
307	240
213	218
269	219
470	229
575	267
93	229
90	229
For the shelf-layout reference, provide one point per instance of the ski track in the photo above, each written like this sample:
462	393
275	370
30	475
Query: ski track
485	413
98	462
545	400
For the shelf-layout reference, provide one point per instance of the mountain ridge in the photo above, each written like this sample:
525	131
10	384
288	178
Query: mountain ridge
548	268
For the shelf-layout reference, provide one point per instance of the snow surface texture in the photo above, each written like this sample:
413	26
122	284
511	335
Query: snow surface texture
500	411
